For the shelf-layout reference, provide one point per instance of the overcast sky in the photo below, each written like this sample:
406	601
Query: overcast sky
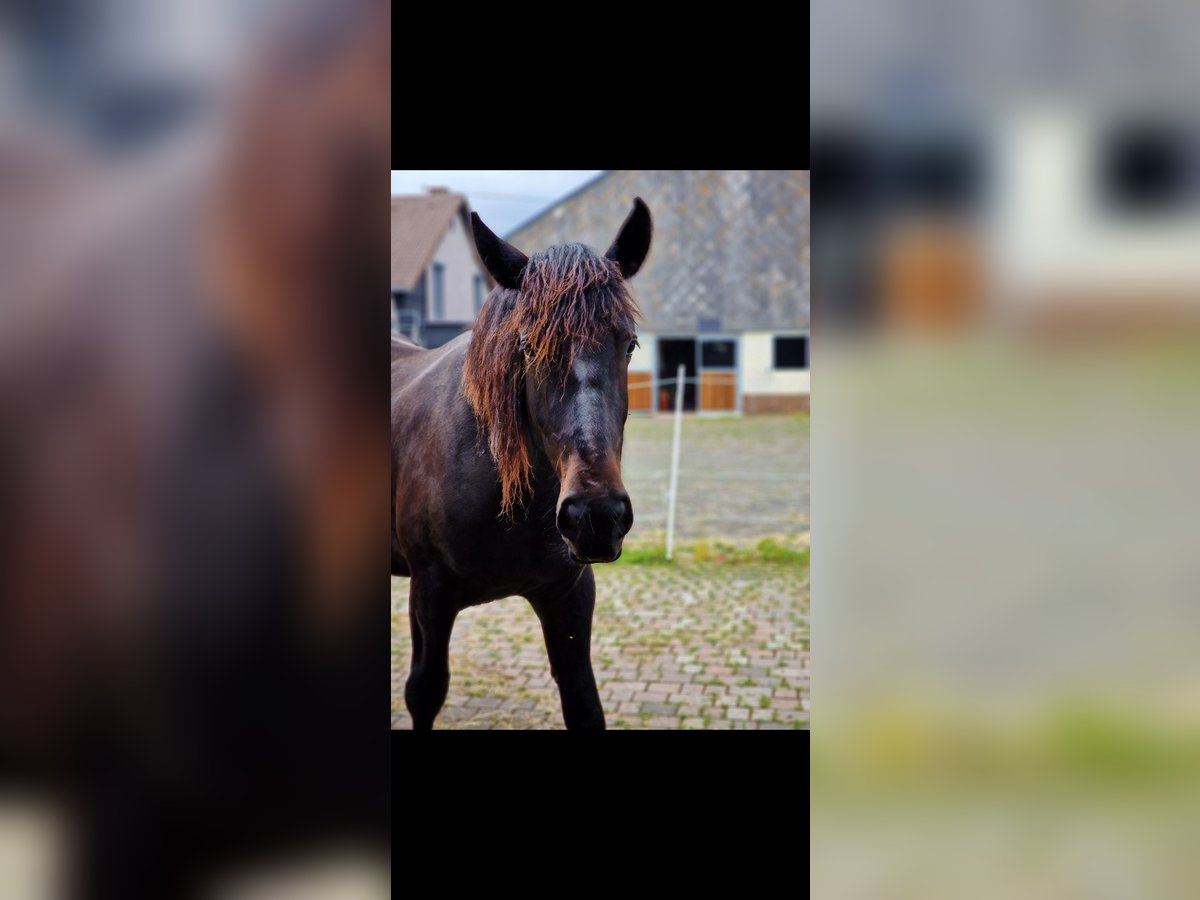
503	199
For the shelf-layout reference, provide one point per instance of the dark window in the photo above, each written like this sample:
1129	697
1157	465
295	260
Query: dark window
1143	168
842	177
718	354
860	173
791	353
478	293
942	173
439	291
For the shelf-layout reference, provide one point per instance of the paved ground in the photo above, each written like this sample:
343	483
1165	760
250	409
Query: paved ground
700	643
739	478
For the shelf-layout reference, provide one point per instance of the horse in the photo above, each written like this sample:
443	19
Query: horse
506	457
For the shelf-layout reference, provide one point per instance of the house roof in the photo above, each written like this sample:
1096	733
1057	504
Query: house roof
419	222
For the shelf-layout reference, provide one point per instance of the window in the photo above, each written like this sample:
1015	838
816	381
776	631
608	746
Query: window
1144	168
478	293
408	323
942	173
718	354
439	292
791	353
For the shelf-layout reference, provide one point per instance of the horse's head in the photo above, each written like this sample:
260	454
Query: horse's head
548	366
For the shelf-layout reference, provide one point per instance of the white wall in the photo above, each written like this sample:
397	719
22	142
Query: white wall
643	357
456	254
758	376
1050	233
757	350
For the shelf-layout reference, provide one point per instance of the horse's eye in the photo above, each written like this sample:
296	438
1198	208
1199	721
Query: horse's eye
633	345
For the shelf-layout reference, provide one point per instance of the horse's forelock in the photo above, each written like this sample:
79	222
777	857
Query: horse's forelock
570	298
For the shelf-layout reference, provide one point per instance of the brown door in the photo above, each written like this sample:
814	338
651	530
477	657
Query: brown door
718	374
641	388
932	276
718	391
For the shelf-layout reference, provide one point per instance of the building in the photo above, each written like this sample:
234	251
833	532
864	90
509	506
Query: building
1045	220
724	291
438	280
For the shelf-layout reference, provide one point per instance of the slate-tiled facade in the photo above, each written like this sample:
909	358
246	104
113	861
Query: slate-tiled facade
731	247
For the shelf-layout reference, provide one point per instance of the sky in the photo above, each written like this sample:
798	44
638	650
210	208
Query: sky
503	199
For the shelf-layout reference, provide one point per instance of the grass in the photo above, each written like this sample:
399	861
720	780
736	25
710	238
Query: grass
768	550
644	556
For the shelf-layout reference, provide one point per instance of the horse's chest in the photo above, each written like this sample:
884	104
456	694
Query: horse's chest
509	558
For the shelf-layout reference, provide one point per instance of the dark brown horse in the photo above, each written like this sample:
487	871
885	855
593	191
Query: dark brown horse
506	458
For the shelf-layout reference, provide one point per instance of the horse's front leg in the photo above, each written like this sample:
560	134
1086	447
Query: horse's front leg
432	607
565	612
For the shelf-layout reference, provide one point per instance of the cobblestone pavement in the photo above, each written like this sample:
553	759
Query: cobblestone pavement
703	645
695	644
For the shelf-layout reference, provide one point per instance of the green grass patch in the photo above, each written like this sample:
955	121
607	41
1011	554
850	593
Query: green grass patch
768	550
643	556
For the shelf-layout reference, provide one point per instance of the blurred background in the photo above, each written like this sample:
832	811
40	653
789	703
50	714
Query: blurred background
1006	283
724	295
191	525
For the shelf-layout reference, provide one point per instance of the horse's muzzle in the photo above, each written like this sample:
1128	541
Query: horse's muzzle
594	527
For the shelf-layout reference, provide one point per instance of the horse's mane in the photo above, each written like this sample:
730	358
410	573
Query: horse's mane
570	297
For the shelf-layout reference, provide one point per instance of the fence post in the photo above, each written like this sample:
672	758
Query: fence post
679	387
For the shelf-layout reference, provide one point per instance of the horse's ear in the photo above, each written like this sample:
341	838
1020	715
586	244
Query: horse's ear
504	261
633	240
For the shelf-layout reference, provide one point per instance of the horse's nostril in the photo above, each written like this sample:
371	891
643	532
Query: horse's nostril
626	514
571	514
596	524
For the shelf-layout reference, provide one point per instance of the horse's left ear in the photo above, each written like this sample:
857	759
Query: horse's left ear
633	240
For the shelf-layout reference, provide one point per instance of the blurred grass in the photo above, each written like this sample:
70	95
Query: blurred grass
1082	799
908	747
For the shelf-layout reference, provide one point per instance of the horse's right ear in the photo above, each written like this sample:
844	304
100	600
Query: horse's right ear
633	240
504	261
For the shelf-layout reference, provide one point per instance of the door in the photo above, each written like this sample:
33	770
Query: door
673	352
718	374
641	391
